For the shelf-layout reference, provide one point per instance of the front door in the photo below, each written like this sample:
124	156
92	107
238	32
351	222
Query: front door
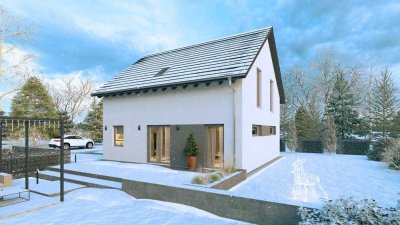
215	153
159	146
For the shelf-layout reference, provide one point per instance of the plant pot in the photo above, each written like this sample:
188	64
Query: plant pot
191	162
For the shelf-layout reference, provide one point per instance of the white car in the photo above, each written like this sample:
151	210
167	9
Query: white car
72	141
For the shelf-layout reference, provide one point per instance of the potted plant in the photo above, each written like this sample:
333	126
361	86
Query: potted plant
191	151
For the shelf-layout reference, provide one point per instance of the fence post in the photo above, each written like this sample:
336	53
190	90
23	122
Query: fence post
62	157
37	176
26	154
1	144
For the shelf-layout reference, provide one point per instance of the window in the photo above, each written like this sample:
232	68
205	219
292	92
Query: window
162	71
256	130
119	136
259	88
260	130
271	96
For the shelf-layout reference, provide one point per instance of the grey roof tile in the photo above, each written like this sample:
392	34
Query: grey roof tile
212	60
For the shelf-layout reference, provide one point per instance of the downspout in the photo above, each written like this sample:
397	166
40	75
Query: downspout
234	119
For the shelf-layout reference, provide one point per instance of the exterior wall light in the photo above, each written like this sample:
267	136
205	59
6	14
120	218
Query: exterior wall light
105	127
138	127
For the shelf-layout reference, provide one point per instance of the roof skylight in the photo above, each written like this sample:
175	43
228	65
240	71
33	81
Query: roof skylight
162	71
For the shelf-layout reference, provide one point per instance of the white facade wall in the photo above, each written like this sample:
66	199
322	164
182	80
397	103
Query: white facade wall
200	105
258	150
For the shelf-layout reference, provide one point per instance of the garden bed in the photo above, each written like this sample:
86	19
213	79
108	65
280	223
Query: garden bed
226	182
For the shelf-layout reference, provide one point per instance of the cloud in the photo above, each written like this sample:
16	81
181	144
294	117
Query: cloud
110	35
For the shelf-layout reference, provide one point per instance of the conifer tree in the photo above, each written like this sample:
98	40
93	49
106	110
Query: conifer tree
342	107
191	148
292	137
93	122
384	104
308	126
34	101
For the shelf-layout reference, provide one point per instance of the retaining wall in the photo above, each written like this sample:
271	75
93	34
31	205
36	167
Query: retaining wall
221	204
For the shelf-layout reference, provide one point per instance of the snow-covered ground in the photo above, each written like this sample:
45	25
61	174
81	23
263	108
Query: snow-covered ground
84	155
106	206
139	172
340	175
45	186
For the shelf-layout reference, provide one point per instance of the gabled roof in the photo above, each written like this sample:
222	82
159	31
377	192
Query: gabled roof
205	62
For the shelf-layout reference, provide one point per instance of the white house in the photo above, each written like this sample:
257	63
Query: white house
226	91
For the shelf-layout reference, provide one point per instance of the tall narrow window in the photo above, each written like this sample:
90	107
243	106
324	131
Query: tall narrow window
271	96
119	136
259	88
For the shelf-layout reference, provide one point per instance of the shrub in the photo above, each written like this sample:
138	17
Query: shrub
377	149
201	179
391	154
207	178
350	211
214	177
228	170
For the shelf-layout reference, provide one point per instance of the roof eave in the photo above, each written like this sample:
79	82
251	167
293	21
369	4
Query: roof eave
121	92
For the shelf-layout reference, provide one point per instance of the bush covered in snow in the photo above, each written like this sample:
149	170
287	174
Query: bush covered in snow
377	149
391	155
350	211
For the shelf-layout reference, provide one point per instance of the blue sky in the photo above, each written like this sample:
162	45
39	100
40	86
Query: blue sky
101	38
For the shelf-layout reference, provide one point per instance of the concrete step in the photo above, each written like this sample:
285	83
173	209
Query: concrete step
79	173
82	180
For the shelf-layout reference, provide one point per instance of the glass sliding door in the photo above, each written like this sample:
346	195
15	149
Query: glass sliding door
215	153
159	146
165	145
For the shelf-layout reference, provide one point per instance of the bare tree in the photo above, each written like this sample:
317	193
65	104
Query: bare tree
13	32
326	67
302	91
330	136
72	96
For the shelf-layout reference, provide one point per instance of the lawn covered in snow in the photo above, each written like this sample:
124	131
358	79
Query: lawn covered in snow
340	175
134	171
106	206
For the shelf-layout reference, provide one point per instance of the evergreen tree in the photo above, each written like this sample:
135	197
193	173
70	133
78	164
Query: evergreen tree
342	107
191	148
34	101
68	123
93	122
292	137
396	125
384	103
308	126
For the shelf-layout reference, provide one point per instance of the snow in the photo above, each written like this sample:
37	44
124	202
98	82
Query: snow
84	155
340	175
46	187
107	183
133	171
110	206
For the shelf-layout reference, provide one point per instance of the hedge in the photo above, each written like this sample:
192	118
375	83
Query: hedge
310	146
353	147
